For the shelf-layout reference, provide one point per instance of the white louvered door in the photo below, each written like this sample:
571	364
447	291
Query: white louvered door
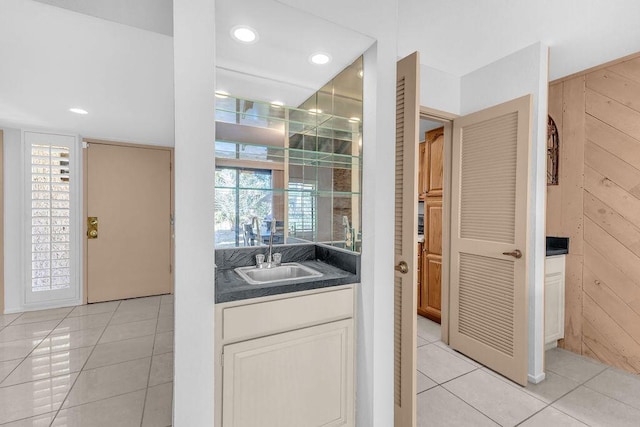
490	170
405	239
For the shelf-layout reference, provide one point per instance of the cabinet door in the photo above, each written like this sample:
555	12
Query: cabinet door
298	378
432	264
419	276
422	169
554	299
434	162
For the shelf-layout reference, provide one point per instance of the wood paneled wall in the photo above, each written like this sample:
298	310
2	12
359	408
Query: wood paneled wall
597	205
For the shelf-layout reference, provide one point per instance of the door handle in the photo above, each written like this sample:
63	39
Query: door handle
516	254
92	227
402	267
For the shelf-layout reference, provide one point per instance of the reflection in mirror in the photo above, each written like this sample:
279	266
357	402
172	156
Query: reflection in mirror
287	152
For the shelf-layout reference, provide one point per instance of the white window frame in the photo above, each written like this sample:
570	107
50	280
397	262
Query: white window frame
73	296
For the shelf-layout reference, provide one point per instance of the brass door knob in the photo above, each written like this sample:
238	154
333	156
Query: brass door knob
402	267
93	233
516	254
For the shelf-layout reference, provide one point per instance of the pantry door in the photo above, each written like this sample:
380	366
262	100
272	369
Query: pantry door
489	229
128	229
406	239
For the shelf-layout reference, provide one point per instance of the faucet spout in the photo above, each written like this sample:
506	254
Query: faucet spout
273	230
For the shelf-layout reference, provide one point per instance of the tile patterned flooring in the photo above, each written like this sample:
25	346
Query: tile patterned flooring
106	364
456	391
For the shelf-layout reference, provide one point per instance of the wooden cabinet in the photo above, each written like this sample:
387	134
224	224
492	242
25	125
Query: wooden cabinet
430	252
287	370
554	300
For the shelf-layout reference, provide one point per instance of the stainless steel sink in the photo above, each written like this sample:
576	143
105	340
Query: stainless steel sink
284	272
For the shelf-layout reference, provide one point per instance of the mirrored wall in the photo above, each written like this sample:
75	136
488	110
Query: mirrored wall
300	167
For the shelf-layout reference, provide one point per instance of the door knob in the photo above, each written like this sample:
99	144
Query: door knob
402	267
516	254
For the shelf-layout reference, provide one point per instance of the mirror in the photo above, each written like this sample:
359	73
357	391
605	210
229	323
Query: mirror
288	131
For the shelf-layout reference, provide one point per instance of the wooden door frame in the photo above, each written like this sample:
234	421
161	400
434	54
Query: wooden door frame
85	207
447	122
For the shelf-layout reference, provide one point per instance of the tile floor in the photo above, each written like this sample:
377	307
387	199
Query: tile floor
107	364
455	391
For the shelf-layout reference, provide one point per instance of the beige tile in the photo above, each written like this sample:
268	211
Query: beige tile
428	330
34	398
161	369
120	351
164	343
98	308
421	341
48	365
69	340
595	409
440	365
571	365
27	331
42	315
166	299
423	382
620	385
37	421
129	330
146	313
165	324
109	381
122	411
7	366
79	323
6	319
17	349
457	354
437	407
551	417
158	407
504	403
139	303
552	388
166	310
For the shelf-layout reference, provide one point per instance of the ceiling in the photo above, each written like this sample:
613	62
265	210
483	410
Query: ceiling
121	66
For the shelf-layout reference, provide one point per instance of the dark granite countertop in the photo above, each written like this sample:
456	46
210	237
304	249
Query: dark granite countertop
557	246
339	267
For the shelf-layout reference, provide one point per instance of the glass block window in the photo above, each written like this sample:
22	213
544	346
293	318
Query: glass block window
50	218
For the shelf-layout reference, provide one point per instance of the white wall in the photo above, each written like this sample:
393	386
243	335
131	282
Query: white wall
523	72
439	90
12	220
194	49
54	59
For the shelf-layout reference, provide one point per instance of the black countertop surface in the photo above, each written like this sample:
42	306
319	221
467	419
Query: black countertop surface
557	246
338	267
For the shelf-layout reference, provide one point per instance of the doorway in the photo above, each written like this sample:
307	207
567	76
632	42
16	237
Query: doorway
129	230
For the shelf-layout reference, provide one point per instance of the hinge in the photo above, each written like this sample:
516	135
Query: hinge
85	144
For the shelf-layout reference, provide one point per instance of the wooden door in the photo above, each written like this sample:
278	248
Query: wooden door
405	239
128	190
434	164
489	231
292	379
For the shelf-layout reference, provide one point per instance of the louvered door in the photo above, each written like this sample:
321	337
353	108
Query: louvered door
490	169
405	239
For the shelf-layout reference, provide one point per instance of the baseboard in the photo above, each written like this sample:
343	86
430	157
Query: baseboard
535	379
44	306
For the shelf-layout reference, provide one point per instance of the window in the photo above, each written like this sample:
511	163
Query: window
51	233
241	195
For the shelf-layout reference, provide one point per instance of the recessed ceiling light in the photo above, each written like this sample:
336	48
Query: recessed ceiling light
244	34
222	94
315	111
354	120
78	111
320	58
277	104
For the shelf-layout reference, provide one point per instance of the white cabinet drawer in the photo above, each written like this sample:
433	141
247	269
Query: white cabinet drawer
270	317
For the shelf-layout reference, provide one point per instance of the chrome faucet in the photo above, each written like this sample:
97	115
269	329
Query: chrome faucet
255	225
270	262
273	260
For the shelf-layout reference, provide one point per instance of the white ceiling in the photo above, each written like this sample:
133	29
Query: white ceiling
120	66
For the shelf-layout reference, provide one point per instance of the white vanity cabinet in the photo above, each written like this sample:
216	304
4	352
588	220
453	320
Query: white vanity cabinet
287	360
554	300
